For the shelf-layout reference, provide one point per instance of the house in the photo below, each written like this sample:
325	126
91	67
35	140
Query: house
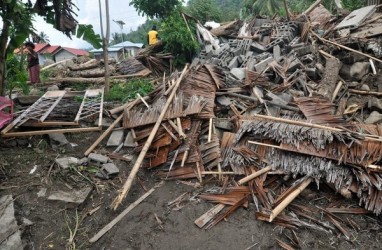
55	52
130	48
64	53
116	51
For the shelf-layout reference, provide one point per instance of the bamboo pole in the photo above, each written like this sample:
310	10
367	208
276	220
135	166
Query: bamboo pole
254	175
289	199
106	133
314	5
120	216
126	187
143	100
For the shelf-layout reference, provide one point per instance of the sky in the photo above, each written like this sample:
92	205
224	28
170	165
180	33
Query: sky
89	14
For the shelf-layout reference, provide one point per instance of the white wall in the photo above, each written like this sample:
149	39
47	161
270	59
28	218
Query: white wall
63	55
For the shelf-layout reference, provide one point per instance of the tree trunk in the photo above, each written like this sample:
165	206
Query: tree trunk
105	41
3	55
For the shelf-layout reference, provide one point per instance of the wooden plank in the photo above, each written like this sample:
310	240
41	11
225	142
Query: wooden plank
52	131
111	224
209	215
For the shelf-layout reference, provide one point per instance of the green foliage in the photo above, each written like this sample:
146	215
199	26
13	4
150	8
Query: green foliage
126	91
177	38
267	7
204	10
231	8
155	8
16	76
353	4
137	36
86	32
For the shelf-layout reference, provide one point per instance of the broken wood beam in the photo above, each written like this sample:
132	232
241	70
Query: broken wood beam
254	175
289	199
363	92
126	187
209	215
51	131
111	224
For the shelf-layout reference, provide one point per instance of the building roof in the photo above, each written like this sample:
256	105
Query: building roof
38	48
51	49
110	49
76	52
127	44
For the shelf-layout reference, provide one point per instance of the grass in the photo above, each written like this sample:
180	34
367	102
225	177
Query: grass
126	91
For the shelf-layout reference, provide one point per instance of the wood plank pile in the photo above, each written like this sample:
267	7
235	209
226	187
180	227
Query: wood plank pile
281	106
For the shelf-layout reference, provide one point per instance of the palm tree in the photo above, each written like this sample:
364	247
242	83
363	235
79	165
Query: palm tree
266	7
43	37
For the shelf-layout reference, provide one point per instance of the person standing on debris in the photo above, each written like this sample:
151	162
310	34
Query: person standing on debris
33	63
152	36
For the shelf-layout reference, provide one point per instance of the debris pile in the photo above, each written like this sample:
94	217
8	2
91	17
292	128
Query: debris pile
267	108
284	100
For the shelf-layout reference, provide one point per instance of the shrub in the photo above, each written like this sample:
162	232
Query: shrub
126	91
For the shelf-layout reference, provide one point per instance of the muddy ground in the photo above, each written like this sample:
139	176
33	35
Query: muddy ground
153	224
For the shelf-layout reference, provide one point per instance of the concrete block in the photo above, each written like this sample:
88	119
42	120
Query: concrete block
66	162
10	234
129	141
108	171
277	52
97	159
238	73
259	67
73	196
115	138
234	63
257	47
58	138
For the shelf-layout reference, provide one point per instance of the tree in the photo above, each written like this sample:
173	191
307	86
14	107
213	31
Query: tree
204	10
43	37
17	16
155	8
177	38
266	7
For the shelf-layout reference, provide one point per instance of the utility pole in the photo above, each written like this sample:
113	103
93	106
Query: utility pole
120	24
105	42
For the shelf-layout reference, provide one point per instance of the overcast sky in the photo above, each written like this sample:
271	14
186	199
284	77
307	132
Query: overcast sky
89	14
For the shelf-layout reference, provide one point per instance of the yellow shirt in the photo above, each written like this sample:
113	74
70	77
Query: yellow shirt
153	37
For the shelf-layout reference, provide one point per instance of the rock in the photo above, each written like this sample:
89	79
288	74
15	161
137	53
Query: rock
108	171
129	141
58	138
27	222
97	159
365	87
53	88
83	161
10	235
355	71
73	196
115	138
374	118
27	99
42	192
35	92
66	162
375	104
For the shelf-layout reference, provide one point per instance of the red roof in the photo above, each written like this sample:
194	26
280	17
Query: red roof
51	49
77	52
38	48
